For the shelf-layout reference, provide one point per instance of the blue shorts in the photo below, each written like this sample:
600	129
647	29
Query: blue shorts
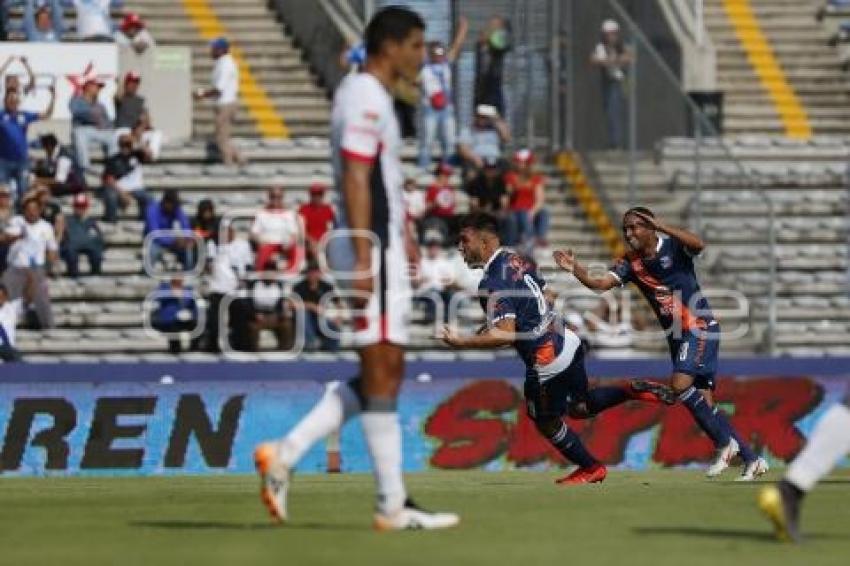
552	398
696	354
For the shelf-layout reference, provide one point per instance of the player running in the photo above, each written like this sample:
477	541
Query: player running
519	314
829	442
369	254
661	265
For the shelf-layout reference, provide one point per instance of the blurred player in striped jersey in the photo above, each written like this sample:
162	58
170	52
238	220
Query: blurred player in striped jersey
369	254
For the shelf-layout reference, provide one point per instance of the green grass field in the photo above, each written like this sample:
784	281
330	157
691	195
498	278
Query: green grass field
522	518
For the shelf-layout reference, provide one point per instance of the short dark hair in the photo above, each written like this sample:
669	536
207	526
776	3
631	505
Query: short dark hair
640	210
481	222
393	23
3	289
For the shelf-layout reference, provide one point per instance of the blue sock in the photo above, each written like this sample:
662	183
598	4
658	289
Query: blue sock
601	398
569	445
746	452
705	417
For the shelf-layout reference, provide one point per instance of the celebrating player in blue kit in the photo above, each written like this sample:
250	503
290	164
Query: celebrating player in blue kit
519	314
660	264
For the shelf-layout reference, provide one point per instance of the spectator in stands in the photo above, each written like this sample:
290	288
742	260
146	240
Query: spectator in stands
14	149
487	191
132	117
321	332
414	203
43	22
90	122
441	201
529	218
7	212
11	81
205	223
613	59
11	310
436	107
51	211
94	21
278	230
229	263
123	180
271	311
318	218
490	51
434	281
176	311
34	250
133	33
58	169
167	214
224	90
82	237
484	140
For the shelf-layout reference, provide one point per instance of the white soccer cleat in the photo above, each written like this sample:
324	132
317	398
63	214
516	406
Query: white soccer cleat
411	517
754	469
724	457
274	480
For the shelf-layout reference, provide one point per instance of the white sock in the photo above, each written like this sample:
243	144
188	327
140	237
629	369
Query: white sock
337	405
829	442
383	437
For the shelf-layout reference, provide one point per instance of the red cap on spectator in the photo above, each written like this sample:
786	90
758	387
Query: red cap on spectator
132	76
132	20
93	79
317	189
445	169
81	200
524	156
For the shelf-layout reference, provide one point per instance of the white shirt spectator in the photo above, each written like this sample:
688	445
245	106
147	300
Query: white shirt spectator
414	202
230	262
437	273
267	294
276	227
93	18
142	37
435	78
31	249
225	79
9	314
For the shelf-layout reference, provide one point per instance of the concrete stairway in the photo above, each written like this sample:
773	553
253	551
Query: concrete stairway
812	68
273	59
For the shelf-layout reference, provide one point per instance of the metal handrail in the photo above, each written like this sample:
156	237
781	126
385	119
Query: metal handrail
702	121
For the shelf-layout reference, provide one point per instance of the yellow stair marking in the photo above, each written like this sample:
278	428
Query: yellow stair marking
760	54
569	165
269	121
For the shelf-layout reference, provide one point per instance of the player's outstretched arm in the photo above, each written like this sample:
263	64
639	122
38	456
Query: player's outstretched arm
566	260
501	334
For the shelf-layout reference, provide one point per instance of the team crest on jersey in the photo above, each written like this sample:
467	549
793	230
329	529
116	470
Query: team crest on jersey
666	261
519	265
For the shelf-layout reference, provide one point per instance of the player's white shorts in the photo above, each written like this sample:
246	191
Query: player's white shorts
386	316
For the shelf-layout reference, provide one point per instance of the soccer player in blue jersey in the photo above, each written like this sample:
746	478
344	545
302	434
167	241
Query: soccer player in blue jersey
660	264
519	314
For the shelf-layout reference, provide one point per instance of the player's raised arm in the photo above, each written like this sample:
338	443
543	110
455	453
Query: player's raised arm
566	260
689	240
498	335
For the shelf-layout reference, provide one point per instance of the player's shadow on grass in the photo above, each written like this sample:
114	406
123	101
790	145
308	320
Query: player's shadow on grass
702	532
183	525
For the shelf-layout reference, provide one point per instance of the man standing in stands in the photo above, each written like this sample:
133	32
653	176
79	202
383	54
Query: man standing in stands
14	149
318	217
224	90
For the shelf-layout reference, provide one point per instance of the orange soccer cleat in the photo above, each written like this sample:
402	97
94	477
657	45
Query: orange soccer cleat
594	474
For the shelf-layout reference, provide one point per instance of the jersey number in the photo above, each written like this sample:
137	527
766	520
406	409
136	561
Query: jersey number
542	307
683	352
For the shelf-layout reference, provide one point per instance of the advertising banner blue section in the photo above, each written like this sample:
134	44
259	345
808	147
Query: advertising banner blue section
147	419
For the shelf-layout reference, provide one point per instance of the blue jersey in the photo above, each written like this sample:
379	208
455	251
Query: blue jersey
511	288
669	284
